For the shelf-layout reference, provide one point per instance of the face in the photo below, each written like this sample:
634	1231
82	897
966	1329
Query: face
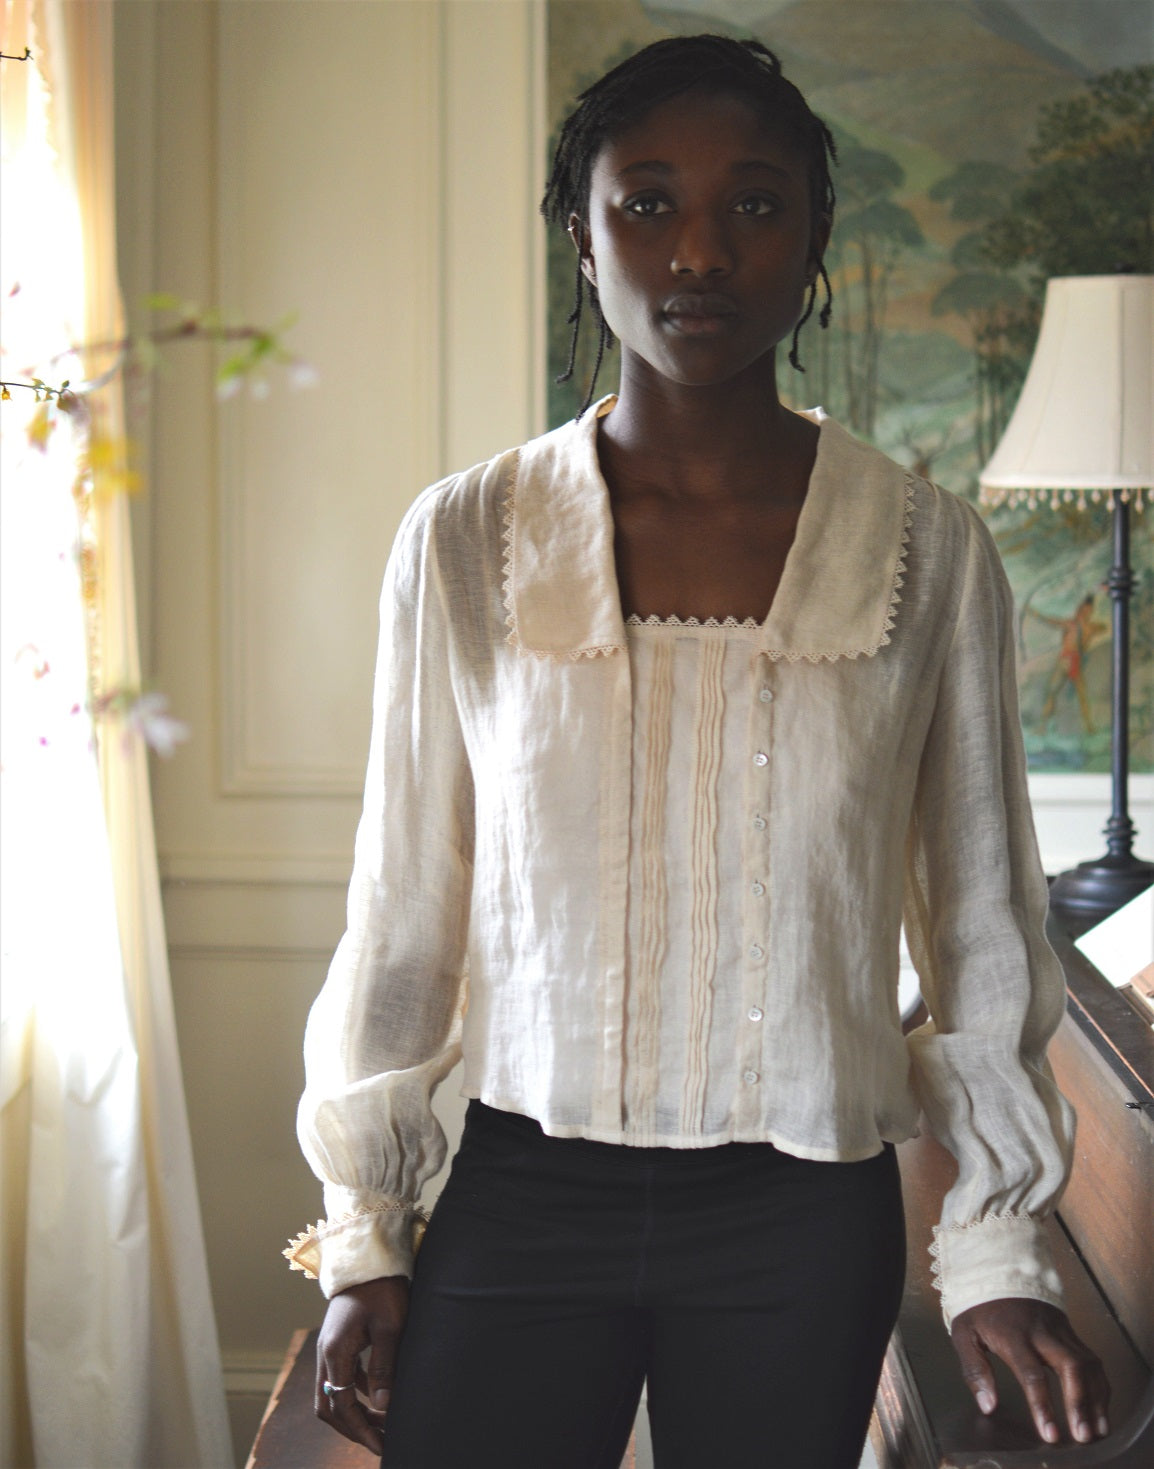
701	239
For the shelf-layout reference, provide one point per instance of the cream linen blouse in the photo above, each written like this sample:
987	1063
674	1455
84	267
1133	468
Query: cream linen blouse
858	750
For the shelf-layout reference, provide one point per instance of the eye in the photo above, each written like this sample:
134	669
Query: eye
645	206
755	205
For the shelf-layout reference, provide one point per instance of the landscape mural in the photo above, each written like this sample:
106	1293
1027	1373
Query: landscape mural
984	145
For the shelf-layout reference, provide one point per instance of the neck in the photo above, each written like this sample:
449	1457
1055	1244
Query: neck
703	441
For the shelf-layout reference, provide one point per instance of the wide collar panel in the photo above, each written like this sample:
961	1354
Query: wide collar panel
838	595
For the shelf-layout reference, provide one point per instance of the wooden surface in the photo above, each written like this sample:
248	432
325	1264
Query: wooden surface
292	1437
926	1415
1103	1058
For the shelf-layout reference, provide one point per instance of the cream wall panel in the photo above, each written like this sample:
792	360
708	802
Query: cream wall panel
272	919
241	1017
494	239
329	157
240	1021
272	519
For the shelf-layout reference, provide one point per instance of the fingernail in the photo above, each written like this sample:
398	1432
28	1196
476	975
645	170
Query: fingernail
1082	1431
1103	1427
1050	1432
986	1401
381	1398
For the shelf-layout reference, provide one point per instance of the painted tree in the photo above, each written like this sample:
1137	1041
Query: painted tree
873	232
1087	208
996	303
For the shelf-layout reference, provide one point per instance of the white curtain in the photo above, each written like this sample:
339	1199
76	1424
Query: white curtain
110	1355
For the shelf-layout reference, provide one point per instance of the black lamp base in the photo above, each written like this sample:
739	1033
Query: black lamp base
1092	891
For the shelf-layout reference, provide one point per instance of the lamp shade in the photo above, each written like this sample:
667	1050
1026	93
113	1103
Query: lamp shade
1085	418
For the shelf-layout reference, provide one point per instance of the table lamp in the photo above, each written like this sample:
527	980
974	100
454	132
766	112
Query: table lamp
1083	432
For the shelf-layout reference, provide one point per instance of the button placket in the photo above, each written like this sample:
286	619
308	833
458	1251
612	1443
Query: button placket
756	905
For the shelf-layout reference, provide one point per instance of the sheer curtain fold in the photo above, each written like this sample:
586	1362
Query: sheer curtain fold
110	1342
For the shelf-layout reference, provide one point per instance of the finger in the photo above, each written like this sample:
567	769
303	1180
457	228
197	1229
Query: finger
351	1418
1085	1390
1028	1367
348	1415
976	1370
340	1408
382	1368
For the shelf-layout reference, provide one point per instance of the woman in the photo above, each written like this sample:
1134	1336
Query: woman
672	707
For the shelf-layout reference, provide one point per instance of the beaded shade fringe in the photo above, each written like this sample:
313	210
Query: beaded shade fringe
1032	498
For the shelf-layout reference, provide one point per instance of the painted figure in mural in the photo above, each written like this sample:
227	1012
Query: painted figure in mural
678	707
1079	634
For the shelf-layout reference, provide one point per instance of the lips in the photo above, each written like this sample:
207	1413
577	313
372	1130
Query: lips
699	312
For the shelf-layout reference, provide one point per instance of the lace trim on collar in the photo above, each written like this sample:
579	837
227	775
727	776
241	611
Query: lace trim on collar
748	624
777	655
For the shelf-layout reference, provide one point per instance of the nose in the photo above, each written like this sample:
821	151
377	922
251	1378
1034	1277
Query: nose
702	246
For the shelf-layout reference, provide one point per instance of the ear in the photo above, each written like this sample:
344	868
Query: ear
579	234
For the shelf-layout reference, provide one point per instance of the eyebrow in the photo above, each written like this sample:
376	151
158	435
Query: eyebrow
659	166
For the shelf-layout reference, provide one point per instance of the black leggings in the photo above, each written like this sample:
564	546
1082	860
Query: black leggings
754	1291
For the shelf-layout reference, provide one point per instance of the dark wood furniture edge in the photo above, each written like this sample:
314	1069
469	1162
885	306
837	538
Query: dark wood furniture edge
296	1342
1132	1447
1112	1025
899	1430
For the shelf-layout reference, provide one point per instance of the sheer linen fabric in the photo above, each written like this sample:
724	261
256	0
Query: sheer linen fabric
501	894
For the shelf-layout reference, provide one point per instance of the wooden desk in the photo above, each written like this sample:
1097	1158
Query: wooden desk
925	1418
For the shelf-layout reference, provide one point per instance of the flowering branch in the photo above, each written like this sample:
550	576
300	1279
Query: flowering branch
103	464
143	714
256	346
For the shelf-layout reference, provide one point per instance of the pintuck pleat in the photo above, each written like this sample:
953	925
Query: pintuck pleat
645	1033
703	930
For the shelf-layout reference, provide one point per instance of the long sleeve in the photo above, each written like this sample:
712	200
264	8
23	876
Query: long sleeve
385	1029
976	903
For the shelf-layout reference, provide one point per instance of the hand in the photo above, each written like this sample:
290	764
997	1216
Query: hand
1030	1336
369	1315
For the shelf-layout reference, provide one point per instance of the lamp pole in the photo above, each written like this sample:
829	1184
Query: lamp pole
1093	890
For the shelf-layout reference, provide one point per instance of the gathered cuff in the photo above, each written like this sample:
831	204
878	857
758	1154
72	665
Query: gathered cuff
1000	1255
369	1242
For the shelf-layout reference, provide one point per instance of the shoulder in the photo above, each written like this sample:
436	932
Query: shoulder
853	461
949	518
949	557
456	502
871	493
453	504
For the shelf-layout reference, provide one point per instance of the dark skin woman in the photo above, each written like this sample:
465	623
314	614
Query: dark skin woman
702	240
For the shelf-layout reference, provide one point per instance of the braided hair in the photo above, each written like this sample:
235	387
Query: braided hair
744	69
